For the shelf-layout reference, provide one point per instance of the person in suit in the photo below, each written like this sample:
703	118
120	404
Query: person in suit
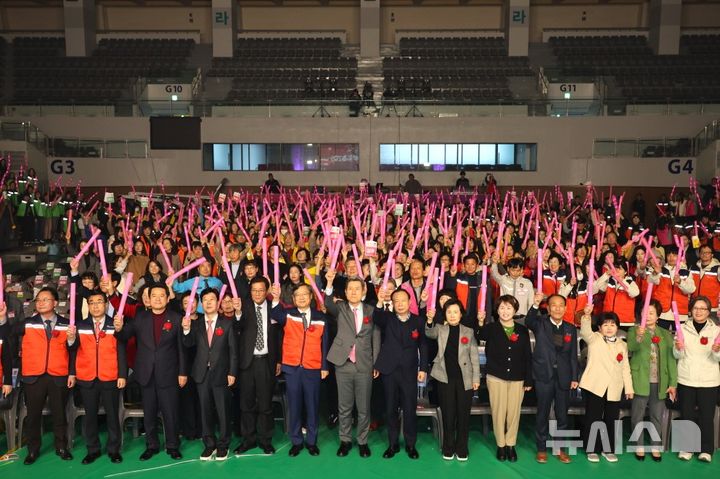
258	366
402	364
606	374
509	372
47	342
304	364
160	368
101	371
237	271
457	371
654	374
555	368
214	371
353	352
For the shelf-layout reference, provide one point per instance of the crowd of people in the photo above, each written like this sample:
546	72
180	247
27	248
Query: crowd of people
206	302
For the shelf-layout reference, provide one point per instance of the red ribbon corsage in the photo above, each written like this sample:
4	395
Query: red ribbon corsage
366	320
167	326
55	334
414	334
703	340
219	331
514	337
102	334
464	340
311	328
567	338
656	339
619	357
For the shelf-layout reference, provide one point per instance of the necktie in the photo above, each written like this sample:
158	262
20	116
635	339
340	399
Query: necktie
260	340
48	328
304	318
97	330
357	330
209	331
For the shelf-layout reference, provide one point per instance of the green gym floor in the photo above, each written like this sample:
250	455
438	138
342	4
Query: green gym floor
482	462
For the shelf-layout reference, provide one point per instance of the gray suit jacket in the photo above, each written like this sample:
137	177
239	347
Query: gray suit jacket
367	341
468	356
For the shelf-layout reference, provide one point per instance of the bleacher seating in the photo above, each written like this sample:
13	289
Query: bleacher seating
453	69
42	72
638	72
287	68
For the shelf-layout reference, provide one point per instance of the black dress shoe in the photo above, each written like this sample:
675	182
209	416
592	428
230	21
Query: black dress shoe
174	454
391	451
31	458
364	450
295	450
657	458
313	450
90	458
63	454
148	453
511	453
412	452
501	454
639	457
115	457
268	449
244	447
344	449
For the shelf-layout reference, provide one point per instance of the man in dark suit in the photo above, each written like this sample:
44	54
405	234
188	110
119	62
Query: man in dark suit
353	352
403	344
259	364
555	368
48	343
160	367
304	363
214	371
237	271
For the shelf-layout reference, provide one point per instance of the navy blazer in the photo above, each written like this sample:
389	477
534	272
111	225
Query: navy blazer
217	360
546	355
166	361
399	348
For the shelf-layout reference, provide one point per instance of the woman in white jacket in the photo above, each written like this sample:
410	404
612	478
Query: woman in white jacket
698	374
606	375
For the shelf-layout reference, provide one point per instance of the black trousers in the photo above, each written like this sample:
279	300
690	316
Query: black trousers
599	409
92	394
455	403
214	404
698	405
190	425
256	392
548	393
166	401
45	388
401	392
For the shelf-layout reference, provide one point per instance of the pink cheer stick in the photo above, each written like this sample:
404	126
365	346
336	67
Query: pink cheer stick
193	298
88	245
678	327
646	306
187	268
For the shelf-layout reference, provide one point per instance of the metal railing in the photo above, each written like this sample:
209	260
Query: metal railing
642	147
709	134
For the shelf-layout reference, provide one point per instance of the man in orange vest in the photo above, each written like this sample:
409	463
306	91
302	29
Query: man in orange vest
304	362
101	371
467	286
48	341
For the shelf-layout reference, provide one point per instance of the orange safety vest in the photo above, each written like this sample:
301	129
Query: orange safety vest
618	301
40	355
707	284
667	292
573	305
462	289
96	356
302	347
